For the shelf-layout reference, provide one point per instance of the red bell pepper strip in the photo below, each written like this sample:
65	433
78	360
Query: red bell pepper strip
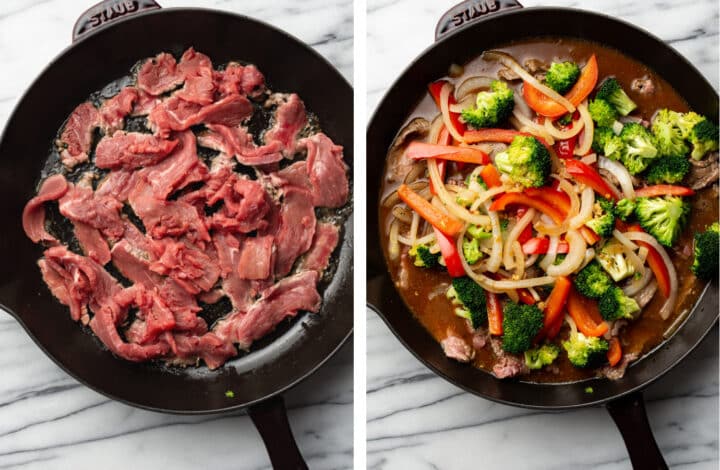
521	198
444	138
663	190
586	314
524	295
491	176
614	353
546	106
527	232
540	245
561	201
434	89
583	173
565	148
420	150
497	135
656	263
495	313
554	307
450	254
448	225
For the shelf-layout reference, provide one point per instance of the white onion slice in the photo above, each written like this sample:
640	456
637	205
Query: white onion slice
669	304
512	237
532	127
519	259
530	260
509	61
445	110
576	128
589	159
449	201
624	240
574	258
485	195
465	103
414	227
472	85
638	284
551	255
621	174
435	127
589	256
585	140
521	106
497	242
394	248
586	208
570	190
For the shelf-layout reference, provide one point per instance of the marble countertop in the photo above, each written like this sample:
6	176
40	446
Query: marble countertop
418	420
50	421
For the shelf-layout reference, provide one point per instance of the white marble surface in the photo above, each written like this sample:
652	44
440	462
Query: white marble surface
47	419
417	420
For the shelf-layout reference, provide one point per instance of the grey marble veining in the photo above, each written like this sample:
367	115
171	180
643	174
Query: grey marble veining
47	419
418	420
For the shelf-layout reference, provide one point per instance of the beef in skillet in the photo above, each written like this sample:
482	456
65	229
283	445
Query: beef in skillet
182	229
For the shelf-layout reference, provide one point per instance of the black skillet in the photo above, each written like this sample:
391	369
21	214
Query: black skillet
101	53
463	32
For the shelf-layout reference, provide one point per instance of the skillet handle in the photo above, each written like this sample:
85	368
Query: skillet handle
470	11
270	419
100	15
630	417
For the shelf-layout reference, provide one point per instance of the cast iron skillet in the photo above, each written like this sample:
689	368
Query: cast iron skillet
100	54
462	34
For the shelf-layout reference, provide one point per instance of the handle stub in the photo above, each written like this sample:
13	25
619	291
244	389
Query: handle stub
104	13
469	11
270	419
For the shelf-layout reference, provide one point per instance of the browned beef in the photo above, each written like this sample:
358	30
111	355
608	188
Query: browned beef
33	218
76	137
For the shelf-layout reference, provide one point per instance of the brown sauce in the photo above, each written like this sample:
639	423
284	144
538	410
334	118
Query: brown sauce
424	290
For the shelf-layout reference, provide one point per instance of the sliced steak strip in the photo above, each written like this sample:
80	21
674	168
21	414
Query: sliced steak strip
114	110
173	172
159	74
208	347
256	258
92	242
81	204
236	141
197	71
323	244
191	268
290	118
296	228
117	184
703	172
245	204
240	291
457	348
176	114
327	171
132	150
33	219
77	135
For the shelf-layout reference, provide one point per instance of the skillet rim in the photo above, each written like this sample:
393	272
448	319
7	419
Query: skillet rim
384	276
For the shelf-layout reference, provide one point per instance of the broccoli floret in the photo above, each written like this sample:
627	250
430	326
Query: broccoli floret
526	161
663	217
614	305
585	351
686	122
469	300
423	258
705	264
521	323
668	135
471	250
537	358
592	281
465	198
603	221
562	76
605	142
491	107
624	209
704	138
612	259
478	232
602	112
611	91
639	147
668	170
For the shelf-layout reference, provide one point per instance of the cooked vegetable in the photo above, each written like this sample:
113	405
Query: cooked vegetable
668	135
639	147
491	107
471	250
450	254
587	175
478	232
602	112
704	138
664	190
614	354
592	281
495	314
614	304
562	76
422	256
537	358
438	219
686	122
554	307
435	90
624	209
469	299
584	351
421	150
521	323
585	314
612	259
705	263
663	217
526	161
605	142
490	176
668	169
611	91
603	221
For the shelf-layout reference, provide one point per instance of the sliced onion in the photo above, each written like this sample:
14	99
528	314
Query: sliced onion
642	253
465	103
564	134
394	246
414	227
621	174
519	259
589	256
445	110
571	191
509	61
497	243
587	199
589	159
619	236
485	195
415	172
574	258
534	293
546	226
669	304
638	284
449	201
530	260
512	237
551	255
627	119
402	213
429	238
532	127
585	140
472	85
521	106
435	128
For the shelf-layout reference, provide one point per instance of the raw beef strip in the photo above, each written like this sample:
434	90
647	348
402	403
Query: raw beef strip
327	172
245	204
188	266
77	134
211	349
240	291
253	81
323	244
290	118
172	172
33	219
197	72
81	204
117	184
131	150
256	257
283	299
238	142
92	242
159	74
144	104
296	228
114	110
153	317
176	114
